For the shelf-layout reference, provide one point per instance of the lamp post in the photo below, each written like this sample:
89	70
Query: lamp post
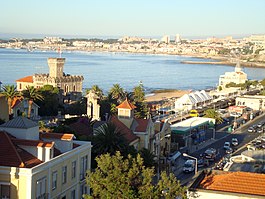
188	137
196	161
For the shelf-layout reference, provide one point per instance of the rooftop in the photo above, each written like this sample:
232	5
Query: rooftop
190	123
26	79
126	105
20	122
235	182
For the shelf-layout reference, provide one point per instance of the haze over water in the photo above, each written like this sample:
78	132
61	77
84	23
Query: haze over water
106	69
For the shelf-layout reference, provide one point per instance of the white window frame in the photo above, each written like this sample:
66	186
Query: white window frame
54	180
73	169
64	174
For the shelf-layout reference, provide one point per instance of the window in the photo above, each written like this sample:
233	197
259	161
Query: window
54	180
83	189
64	174
73	194
83	167
41	188
73	169
5	191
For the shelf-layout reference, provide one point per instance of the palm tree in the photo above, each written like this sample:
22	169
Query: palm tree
96	90
31	94
108	139
10	92
211	113
117	93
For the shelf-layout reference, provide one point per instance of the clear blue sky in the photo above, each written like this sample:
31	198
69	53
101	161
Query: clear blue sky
133	17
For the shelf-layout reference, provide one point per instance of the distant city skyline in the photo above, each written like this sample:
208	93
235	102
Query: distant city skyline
116	18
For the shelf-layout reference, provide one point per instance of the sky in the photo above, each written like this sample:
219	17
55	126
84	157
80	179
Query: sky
115	18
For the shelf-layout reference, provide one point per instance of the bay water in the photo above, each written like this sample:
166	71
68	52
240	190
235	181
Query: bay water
105	69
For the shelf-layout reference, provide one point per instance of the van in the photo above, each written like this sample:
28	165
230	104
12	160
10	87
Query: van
189	166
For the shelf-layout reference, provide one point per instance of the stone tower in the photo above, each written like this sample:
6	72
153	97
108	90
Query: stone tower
93	108
56	67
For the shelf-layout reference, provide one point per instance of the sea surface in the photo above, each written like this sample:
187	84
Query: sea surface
105	69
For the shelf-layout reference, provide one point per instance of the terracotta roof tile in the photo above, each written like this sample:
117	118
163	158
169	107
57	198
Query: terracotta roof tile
26	79
142	125
17	157
61	136
237	182
37	143
128	134
126	105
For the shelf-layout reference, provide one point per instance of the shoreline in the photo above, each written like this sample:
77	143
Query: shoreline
220	60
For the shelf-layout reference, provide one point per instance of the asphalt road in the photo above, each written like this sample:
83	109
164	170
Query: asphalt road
241	134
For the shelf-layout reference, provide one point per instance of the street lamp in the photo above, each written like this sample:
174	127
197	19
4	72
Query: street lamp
196	161
188	137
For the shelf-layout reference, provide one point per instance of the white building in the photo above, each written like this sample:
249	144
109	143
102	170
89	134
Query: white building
41	165
256	102
192	100
166	39
237	77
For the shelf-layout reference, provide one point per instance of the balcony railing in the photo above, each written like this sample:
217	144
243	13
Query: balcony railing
43	196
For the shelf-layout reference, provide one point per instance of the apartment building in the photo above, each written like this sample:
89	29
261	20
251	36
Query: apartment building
41	165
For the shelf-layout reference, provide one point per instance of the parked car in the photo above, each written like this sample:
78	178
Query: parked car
226	145
234	142
229	150
189	166
235	114
251	130
210	154
260	130
260	124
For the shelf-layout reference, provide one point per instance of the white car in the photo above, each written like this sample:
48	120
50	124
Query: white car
226	145
234	142
189	166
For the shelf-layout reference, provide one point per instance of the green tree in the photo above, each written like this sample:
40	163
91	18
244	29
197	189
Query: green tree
96	90
10	92
138	98
211	113
138	93
148	157
117	93
116	177
108	139
50	103
31	94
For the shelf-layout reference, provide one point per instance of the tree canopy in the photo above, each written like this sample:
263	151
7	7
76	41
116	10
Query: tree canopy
118	177
211	113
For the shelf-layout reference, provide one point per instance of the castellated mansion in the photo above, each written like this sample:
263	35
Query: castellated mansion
69	84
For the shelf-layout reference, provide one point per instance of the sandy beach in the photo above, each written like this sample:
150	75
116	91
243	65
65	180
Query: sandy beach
165	95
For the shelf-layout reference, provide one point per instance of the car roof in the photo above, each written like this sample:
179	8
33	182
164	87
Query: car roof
190	161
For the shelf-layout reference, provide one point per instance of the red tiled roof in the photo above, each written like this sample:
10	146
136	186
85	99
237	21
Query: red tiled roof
236	182
126	105
37	143
26	79
142	125
16	157
128	134
61	136
81	128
